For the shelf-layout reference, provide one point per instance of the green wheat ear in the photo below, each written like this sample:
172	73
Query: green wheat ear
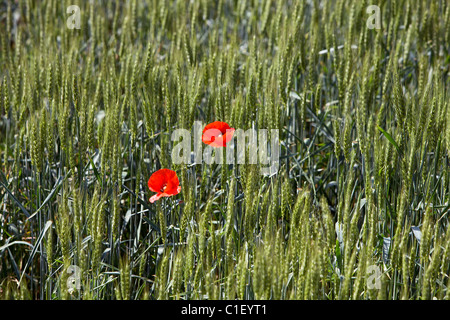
447	138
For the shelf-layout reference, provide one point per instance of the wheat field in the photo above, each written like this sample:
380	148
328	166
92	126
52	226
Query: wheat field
91	92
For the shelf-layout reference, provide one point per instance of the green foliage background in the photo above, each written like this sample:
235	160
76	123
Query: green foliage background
364	121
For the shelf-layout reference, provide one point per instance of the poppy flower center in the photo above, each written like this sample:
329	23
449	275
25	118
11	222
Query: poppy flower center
213	138
163	188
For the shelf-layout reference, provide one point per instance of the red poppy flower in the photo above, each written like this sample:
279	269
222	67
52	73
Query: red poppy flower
217	134
165	183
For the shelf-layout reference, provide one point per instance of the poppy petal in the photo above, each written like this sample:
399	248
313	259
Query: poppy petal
172	186
217	134
165	183
219	125
157	180
210	136
156	197
228	135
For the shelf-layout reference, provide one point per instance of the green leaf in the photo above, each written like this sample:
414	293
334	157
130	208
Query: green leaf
50	195
25	211
48	224
390	139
